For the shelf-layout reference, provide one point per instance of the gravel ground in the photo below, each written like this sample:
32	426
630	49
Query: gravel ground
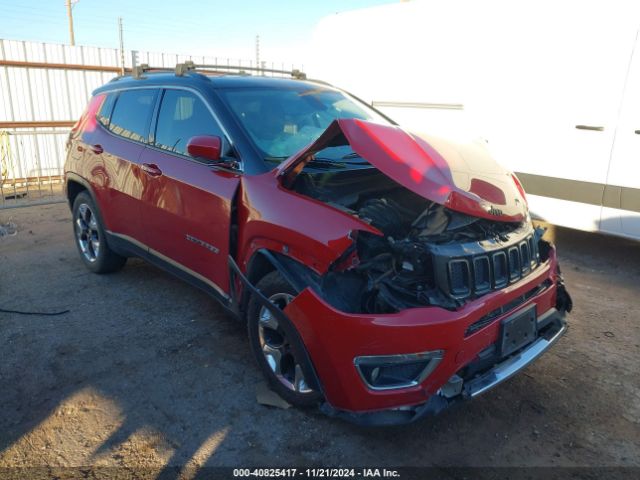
146	371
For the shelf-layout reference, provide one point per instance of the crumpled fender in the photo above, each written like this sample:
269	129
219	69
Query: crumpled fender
462	177
276	219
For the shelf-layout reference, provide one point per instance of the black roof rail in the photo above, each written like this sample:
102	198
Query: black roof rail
182	68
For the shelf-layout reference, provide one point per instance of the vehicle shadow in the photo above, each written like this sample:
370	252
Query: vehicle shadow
600	249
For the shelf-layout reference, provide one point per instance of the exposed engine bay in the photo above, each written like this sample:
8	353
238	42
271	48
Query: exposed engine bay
428	254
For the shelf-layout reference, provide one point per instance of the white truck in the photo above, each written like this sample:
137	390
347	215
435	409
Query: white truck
552	87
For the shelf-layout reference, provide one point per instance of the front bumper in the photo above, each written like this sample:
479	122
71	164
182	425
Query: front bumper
555	327
333	339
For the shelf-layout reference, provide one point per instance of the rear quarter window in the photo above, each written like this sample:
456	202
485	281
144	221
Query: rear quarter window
104	114
132	114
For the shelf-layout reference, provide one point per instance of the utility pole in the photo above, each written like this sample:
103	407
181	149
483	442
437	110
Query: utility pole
258	51
121	46
72	39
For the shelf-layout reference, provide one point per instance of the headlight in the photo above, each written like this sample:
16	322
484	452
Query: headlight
386	372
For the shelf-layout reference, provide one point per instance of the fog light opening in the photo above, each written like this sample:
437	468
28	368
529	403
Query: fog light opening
386	372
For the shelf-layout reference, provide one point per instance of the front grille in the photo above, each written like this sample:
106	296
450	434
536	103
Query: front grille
482	274
514	263
459	277
477	269
525	257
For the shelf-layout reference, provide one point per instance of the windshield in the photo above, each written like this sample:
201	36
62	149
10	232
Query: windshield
281	121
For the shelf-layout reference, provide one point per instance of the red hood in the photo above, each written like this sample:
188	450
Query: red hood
462	177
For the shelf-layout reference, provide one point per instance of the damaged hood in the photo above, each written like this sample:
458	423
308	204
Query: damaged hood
462	177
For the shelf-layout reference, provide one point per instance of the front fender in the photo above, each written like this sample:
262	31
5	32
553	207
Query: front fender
273	218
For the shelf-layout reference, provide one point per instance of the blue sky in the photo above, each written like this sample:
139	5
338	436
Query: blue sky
219	28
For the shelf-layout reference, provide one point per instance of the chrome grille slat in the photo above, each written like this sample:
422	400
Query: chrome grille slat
525	258
500	269
460	277
513	255
482	274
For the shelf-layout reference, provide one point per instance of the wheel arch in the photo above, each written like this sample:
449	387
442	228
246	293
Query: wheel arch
250	288
74	185
263	262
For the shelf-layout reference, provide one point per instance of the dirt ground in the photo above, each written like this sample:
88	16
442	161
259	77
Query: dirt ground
146	371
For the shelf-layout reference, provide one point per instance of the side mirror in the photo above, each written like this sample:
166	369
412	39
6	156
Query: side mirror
208	147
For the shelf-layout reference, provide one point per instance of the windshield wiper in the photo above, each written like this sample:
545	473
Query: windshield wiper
322	162
340	162
325	162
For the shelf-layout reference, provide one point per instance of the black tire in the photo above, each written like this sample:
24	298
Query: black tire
273	285
97	257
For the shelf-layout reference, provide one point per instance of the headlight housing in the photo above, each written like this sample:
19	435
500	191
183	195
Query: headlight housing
387	372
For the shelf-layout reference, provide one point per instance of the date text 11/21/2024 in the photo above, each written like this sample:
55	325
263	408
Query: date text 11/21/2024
316	473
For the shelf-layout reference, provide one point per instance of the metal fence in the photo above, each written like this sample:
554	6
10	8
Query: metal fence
43	89
31	165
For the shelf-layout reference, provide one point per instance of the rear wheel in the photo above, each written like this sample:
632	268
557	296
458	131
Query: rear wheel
276	347
91	239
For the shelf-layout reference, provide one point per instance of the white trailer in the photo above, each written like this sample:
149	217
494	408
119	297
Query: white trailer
553	87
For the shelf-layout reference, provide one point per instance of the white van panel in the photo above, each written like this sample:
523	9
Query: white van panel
563	212
624	172
442	120
624	223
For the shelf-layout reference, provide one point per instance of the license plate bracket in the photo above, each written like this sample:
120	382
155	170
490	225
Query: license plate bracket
518	330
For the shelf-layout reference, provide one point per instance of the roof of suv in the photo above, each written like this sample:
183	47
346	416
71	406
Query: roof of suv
199	79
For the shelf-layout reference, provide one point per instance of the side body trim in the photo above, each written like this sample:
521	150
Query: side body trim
125	242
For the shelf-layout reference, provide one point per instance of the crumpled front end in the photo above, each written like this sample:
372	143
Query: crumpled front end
467	342
421	278
462	177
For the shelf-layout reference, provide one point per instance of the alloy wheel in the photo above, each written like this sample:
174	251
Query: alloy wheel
276	347
87	235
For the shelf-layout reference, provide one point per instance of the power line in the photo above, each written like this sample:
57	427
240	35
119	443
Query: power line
21	17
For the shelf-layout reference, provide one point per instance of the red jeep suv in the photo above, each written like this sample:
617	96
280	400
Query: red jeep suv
383	275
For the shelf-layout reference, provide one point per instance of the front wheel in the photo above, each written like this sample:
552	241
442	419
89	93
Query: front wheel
91	239
277	347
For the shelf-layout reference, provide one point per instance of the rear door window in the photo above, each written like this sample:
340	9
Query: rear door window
183	115
132	114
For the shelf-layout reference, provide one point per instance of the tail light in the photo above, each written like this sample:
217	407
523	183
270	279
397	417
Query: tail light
87	121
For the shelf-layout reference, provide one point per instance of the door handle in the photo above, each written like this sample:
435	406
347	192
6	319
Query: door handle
151	169
97	149
590	127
